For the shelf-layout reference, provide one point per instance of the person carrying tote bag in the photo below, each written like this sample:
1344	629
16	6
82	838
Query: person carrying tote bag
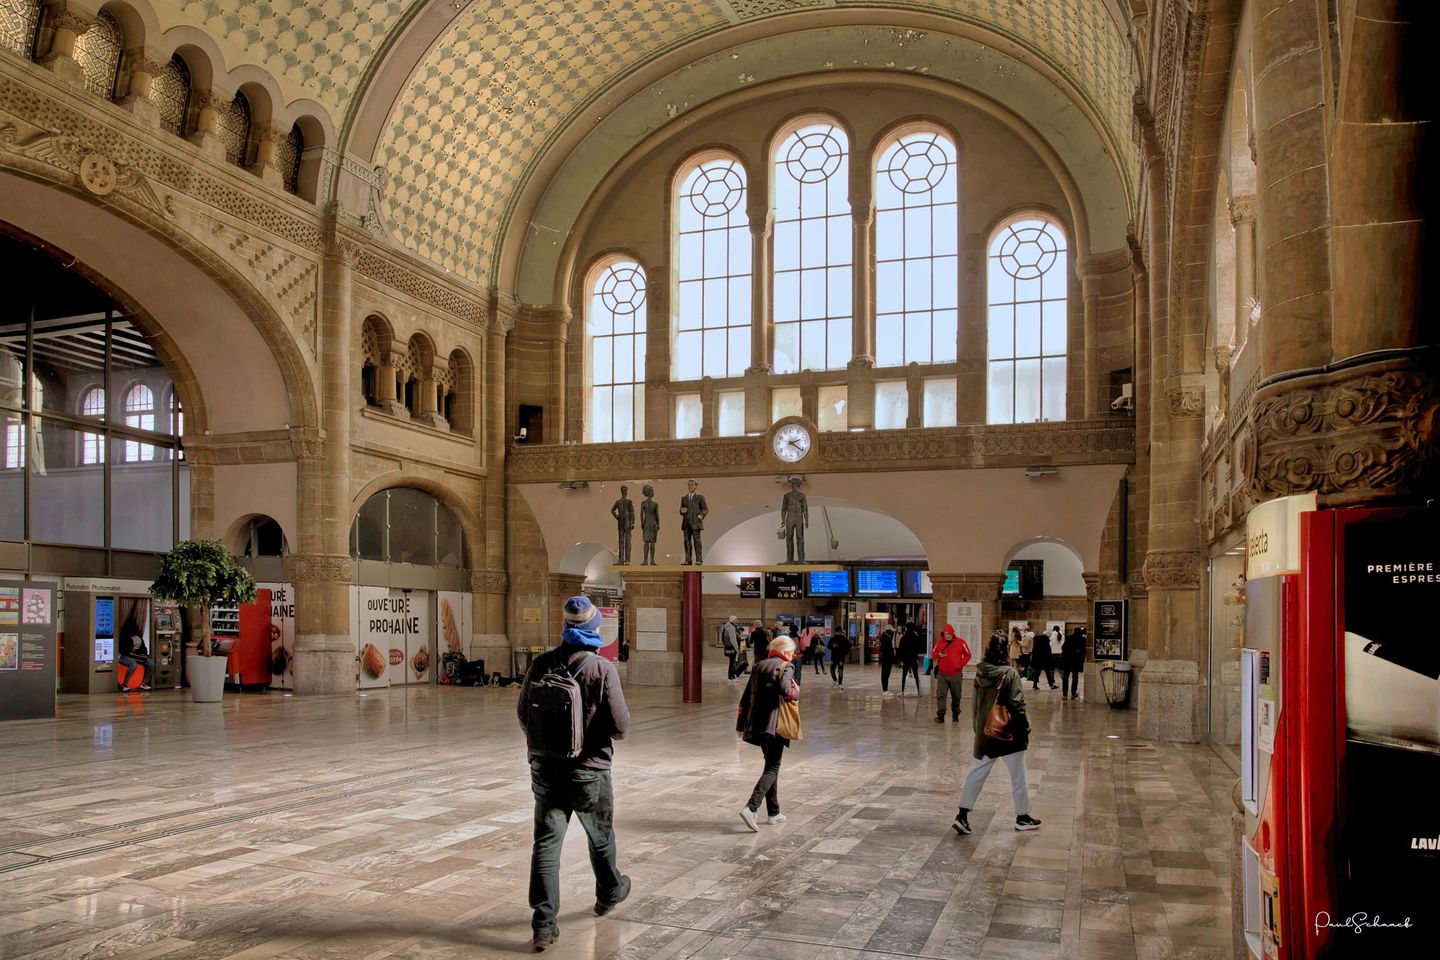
769	717
1002	732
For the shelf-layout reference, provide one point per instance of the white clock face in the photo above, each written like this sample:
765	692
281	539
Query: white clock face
791	443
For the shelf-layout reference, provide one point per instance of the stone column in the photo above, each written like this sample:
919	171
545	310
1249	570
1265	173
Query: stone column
981	588
139	98
207	105
1289	64
862	305
487	640
1242	218
971	338
915	395
266	149
1105	288
70	26
387	378
757	377
654	668
321	570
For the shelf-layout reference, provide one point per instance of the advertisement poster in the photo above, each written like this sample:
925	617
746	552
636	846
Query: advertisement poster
609	632
27	656
282	635
9	651
1391	578
393	634
453	610
1109	630
9	606
35	607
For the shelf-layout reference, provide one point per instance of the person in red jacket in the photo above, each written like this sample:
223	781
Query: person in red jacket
951	653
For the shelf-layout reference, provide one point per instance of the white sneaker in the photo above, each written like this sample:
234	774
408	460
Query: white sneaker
748	816
775	818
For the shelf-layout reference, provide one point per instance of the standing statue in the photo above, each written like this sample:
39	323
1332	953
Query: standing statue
623	510
794	518
693	511
649	525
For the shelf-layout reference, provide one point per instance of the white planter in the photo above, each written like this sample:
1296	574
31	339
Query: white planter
207	678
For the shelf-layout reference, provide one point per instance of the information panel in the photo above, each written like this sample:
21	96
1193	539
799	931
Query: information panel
877	583
917	583
750	588
27	650
829	583
1110	635
784	586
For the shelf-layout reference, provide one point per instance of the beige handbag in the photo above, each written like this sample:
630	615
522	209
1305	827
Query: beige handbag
788	724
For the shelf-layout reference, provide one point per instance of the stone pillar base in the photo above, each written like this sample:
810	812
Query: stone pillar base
434	421
324	664
653	668
142	109
494	650
66	70
1170	699
210	145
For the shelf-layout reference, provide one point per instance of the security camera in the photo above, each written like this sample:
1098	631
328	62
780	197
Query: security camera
520	437
1125	403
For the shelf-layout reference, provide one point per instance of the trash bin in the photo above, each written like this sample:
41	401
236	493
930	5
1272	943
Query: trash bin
1115	681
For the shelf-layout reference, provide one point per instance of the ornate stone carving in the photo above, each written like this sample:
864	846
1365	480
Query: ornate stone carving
1185	403
737	10
489	581
318	568
1242	209
97	174
290	277
69	160
1353	435
1169	569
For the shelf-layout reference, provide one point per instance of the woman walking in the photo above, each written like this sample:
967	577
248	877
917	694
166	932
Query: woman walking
997	684
1015	642
908	652
771	681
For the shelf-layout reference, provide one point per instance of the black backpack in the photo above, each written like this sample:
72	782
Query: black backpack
555	712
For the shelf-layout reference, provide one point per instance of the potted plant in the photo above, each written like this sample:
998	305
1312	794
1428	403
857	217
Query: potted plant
198	574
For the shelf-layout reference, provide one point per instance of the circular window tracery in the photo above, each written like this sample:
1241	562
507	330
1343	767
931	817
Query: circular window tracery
1028	252
919	165
622	289
717	190
813	157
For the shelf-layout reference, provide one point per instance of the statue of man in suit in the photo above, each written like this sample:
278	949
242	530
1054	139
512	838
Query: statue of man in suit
794	518
623	510
649	525
693	511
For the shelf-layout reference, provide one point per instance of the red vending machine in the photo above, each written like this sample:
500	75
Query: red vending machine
249	656
1340	730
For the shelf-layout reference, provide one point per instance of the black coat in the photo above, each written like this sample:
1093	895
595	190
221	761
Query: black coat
887	646
771	681
1072	652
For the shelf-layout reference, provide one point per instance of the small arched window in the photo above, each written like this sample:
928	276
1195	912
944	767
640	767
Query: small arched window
812	250
287	158
139	415
917	268
98	52
712	240
459	404
92	445
615	354
171	95
19	20
234	129
1027	290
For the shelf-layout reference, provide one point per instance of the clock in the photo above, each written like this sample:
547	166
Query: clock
791	442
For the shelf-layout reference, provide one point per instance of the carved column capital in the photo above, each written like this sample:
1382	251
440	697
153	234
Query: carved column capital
1171	569
1356	435
1185	402
342	242
319	568
505	312
489	582
1242	210
72	20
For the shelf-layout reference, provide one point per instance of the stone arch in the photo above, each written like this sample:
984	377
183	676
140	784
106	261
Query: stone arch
461	403
1073	565
201	311
470	522
237	534
581	556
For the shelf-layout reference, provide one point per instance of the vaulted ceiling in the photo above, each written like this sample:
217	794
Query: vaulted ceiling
481	89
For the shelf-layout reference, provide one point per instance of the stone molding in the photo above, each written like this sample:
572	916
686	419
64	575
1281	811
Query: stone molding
973	445
259	446
494	582
319	568
1355	435
1172	569
967	587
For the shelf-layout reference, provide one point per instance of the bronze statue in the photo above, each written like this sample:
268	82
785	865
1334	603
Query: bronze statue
693	511
649	525
794	518
623	510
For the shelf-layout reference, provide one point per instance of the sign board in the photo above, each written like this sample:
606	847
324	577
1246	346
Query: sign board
27	650
530	615
784	586
1110	630
750	588
282	635
393	628
965	618
609	632
877	583
1272	536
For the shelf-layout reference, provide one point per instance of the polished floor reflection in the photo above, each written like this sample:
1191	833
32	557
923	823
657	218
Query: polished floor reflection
397	824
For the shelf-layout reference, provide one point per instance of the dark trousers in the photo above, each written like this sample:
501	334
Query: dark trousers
885	667
768	786
692	542
819	661
837	669
909	668
734	670
561	790
1069	679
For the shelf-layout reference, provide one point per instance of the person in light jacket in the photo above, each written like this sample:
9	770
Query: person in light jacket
997	682
771	681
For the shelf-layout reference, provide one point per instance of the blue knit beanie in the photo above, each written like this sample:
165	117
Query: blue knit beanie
581	614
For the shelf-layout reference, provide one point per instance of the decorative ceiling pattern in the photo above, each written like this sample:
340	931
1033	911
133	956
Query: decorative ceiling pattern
483	105
313	48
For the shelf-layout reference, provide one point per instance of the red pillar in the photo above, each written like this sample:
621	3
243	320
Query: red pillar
690	636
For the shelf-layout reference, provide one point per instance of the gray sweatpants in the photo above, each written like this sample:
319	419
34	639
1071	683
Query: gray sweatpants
980	769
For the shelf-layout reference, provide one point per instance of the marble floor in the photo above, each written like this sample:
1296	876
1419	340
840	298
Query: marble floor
397	825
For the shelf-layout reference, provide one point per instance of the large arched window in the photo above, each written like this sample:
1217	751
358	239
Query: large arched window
171	95
18	21
916	251
139	414
712	242
1027	278
405	525
615	353
92	445
98	53
812	250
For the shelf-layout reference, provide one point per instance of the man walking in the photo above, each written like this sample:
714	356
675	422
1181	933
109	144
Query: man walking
951	653
571	709
730	640
693	511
